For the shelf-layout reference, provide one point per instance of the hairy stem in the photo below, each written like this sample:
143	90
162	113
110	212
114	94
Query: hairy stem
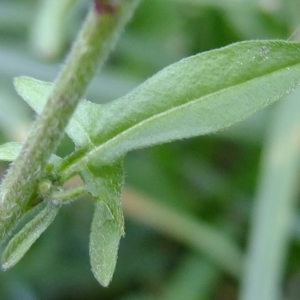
98	35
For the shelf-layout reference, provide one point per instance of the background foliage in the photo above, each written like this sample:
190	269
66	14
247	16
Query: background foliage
215	182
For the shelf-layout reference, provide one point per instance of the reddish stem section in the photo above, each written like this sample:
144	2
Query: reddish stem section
104	7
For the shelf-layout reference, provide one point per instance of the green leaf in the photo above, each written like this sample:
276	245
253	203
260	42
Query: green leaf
87	115
34	92
25	238
198	95
9	151
105	184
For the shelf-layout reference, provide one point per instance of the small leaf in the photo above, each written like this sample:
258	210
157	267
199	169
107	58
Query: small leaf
34	92
25	238
105	184
9	151
85	118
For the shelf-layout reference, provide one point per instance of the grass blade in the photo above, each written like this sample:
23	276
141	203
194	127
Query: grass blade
275	205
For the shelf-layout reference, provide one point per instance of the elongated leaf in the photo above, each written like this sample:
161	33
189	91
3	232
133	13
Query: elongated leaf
105	184
198	95
195	96
23	240
9	151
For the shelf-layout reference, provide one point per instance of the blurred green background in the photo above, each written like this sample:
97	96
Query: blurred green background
213	217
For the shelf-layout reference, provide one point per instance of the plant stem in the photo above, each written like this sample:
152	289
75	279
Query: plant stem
98	35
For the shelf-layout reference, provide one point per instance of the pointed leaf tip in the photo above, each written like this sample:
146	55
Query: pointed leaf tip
34	92
104	244
82	124
9	151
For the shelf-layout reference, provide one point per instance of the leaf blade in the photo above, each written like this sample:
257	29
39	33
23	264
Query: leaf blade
198	95
35	93
25	238
9	151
